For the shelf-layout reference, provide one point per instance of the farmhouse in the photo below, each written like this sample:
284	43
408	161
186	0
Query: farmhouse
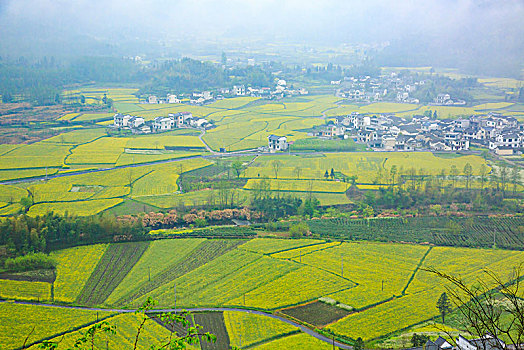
163	124
152	99
277	143
172	99
239	90
486	342
120	120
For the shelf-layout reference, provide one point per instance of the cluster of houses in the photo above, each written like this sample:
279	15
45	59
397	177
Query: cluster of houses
486	342
199	98
502	134
387	88
138	125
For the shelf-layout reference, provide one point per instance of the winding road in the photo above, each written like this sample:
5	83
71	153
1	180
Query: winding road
217	309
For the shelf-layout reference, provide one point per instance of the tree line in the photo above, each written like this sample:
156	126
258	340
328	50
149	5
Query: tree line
24	234
409	187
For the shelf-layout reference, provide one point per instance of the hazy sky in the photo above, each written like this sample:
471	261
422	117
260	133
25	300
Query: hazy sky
477	25
342	20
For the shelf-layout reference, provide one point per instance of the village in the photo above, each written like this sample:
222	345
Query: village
501	134
279	91
139	125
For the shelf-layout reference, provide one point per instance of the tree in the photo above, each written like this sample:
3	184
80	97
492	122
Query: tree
393	173
443	305
418	340
82	99
503	176
453	173
298	230
297	172
26	202
491	305
515	178
435	116
332	174
483	175
468	172
326	175
276	164
237	166
359	344
130	177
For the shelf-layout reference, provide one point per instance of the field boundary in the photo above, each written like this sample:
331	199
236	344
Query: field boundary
302	327
416	270
270	339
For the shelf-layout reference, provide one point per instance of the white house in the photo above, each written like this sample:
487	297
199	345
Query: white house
277	143
486	342
152	99
239	90
163	124
135	122
181	118
506	140
120	120
172	99
442	99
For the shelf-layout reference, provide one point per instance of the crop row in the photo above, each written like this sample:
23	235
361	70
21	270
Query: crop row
114	265
75	265
466	232
205	252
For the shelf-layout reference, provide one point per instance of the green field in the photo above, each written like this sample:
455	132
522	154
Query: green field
241	123
75	265
21	319
380	281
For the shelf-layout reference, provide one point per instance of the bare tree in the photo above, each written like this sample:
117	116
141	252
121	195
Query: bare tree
393	173
468	172
515	178
453	173
297	171
276	164
483	175
503	176
491	306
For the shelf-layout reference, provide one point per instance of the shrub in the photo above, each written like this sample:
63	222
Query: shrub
299	229
28	262
345	307
327	300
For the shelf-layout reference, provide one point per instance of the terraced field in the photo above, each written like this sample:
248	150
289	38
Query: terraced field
75	265
374	282
113	267
18	321
241	123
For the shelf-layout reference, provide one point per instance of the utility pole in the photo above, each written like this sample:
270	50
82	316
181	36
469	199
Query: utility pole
149	273
382	285
244	299
175	297
342	264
